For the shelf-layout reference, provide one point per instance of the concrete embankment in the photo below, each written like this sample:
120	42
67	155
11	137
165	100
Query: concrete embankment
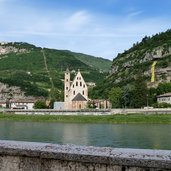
88	111
28	156
144	111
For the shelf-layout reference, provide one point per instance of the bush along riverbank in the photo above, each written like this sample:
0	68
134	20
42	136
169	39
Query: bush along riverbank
113	119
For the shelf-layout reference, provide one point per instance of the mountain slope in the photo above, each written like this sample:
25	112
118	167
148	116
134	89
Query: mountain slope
138	60
95	62
37	70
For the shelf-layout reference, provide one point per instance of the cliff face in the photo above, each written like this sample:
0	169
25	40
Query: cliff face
139	60
10	92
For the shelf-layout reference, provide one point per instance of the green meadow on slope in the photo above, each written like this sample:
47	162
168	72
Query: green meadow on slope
27	70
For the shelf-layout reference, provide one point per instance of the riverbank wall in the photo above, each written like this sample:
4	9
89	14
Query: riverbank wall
28	156
88	111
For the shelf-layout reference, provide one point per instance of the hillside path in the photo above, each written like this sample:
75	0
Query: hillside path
47	70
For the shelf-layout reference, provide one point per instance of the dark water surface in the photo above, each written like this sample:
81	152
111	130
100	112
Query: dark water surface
147	136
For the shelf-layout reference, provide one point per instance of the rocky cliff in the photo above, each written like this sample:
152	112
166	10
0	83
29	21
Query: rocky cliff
139	60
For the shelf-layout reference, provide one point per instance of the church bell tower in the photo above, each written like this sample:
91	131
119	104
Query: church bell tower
66	85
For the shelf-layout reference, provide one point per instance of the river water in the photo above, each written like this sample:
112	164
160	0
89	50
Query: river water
146	136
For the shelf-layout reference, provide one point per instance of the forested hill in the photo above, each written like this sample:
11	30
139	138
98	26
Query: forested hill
39	70
136	62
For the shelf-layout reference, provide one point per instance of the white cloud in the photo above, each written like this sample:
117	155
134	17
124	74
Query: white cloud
77	21
79	31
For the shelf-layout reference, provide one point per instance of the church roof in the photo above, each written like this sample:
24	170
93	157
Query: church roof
79	97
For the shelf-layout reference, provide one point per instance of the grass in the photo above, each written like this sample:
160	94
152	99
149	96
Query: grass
112	119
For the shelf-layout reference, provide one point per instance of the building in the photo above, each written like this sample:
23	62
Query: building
22	104
3	104
75	92
59	105
164	98
100	104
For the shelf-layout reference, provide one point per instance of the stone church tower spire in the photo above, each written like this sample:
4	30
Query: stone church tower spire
66	85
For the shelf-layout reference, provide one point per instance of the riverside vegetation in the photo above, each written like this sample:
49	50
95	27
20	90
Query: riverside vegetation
111	119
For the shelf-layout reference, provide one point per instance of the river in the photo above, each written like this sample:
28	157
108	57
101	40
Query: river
144	136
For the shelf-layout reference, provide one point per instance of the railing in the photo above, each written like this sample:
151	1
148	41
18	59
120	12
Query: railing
28	156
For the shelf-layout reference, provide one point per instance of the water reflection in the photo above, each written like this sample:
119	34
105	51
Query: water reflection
154	136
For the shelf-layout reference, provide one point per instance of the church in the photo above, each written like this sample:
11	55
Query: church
75	92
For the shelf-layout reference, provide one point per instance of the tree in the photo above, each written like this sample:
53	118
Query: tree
139	93
91	105
126	97
56	94
40	104
164	88
115	96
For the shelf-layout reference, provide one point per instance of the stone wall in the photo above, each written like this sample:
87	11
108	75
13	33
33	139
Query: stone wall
27	156
88	111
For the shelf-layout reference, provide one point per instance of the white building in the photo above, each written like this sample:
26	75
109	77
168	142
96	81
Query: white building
164	98
3	104
75	92
22	104
59	105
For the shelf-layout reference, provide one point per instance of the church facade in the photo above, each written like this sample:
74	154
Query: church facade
75	92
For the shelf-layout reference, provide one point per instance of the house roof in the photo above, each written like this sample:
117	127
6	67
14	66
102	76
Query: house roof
22	100
164	95
79	97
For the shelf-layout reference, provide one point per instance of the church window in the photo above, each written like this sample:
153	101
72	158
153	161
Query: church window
80	78
80	83
73	86
73	92
67	80
67	88
66	95
83	92
76	83
84	85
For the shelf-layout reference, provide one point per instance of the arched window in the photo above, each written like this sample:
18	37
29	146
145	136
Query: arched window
76	83
66	88
73	86
84	85
67	80
80	83
73	92
83	92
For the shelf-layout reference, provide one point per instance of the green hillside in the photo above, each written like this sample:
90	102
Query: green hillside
135	63
23	65
94	62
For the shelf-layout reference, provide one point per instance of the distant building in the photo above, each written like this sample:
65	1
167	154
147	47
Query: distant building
91	84
164	98
59	105
100	104
75	92
3	104
22	104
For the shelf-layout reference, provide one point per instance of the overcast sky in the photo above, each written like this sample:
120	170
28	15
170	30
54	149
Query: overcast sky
96	27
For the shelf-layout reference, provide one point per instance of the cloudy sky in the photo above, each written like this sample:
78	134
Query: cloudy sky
96	27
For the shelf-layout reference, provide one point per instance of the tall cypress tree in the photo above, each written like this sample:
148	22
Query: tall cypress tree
139	94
